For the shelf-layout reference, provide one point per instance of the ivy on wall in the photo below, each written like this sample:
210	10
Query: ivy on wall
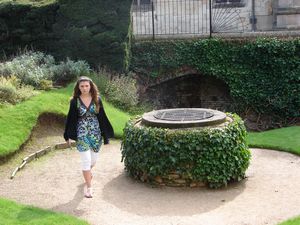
263	75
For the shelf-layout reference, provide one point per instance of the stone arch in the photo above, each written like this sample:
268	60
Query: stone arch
189	90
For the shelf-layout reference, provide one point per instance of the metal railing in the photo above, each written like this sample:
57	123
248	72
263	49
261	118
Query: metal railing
170	17
164	18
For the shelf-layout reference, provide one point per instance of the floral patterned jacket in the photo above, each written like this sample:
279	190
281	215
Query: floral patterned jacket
72	120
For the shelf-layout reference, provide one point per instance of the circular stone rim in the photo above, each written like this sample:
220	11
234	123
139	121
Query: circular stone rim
158	114
148	119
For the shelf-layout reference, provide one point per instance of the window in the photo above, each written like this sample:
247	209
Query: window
141	2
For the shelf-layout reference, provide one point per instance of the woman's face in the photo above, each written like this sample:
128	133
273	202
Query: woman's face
84	87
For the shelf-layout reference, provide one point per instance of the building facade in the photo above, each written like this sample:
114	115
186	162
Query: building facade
200	17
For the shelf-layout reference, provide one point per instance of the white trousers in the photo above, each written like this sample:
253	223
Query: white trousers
88	159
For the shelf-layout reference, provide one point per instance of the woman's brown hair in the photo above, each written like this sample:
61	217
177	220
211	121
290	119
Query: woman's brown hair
94	91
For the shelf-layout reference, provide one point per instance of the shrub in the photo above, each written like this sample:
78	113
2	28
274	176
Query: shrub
69	70
10	81
122	92
30	67
211	155
8	94
101	79
140	108
33	67
45	84
11	91
25	92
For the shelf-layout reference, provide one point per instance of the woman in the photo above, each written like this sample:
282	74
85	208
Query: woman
87	123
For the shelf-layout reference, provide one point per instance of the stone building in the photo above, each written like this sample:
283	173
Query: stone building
169	17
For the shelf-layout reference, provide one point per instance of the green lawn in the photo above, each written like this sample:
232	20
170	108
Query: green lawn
294	221
284	139
18	214
16	122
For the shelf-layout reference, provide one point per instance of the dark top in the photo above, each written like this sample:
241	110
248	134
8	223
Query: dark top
72	121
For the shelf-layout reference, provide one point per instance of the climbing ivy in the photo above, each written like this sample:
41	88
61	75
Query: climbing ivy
262	74
211	155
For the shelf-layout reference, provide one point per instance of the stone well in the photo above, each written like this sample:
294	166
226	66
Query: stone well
183	118
168	133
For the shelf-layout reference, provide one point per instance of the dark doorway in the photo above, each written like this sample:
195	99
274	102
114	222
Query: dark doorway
190	91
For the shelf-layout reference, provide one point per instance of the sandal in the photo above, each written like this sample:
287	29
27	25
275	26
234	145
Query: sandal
88	193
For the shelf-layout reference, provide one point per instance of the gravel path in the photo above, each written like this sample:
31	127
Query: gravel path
270	194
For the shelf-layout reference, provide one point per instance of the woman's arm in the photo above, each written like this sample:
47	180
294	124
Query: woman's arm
70	121
106	128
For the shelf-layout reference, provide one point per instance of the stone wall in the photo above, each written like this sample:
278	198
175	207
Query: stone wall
193	90
288	14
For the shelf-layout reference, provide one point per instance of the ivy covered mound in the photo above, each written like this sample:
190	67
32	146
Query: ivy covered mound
212	155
